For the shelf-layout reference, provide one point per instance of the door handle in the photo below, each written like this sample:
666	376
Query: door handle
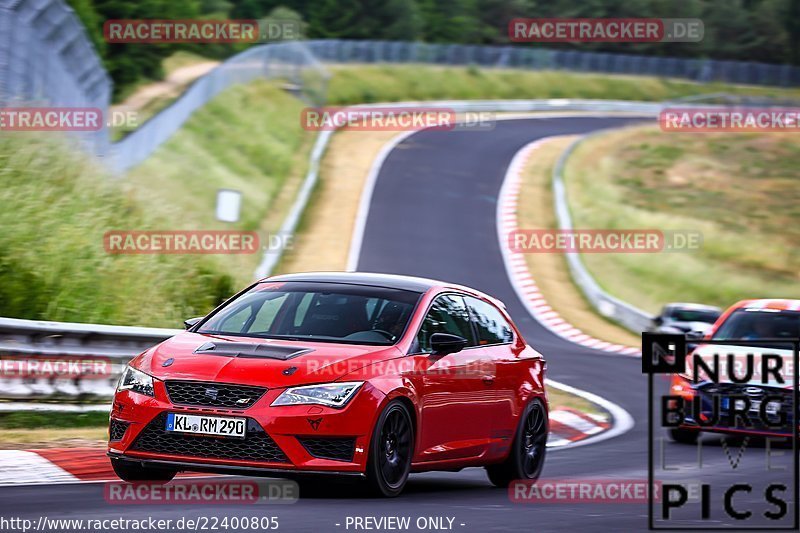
488	380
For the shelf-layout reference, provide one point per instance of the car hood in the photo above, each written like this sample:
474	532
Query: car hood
249	361
702	327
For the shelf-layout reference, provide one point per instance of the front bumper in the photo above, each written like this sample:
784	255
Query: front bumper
309	439
709	409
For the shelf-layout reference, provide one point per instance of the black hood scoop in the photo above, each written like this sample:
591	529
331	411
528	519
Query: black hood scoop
255	350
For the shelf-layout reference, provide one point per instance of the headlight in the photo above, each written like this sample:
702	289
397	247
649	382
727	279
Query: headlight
332	395
136	381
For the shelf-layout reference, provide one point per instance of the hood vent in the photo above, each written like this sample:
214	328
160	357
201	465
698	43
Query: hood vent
256	350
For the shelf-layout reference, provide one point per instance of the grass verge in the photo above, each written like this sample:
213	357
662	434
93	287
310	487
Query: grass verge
535	210
48	429
53	264
52	420
738	189
248	139
52	261
557	398
387	83
323	238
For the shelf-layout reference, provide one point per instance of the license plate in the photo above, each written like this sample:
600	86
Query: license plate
207	425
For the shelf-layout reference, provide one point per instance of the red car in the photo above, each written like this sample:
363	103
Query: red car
368	375
750	328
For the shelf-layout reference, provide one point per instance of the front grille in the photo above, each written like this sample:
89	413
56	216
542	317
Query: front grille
338	449
707	393
117	429
213	394
256	446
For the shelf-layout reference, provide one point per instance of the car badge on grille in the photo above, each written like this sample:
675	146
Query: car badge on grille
753	391
212	393
314	422
242	401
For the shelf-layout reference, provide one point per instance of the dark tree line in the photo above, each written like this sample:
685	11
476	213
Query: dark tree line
749	30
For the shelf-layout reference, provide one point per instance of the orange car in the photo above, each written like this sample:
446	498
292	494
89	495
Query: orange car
742	382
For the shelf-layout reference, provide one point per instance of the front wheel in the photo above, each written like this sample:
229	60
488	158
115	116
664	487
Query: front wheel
131	472
391	449
526	458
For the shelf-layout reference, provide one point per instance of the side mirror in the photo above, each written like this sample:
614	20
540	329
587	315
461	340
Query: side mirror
445	343
695	335
658	320
189	322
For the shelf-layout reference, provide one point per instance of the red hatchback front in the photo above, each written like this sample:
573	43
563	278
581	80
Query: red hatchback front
367	375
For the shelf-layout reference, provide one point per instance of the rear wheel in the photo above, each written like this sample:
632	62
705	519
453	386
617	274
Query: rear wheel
130	471
526	458
684	436
390	451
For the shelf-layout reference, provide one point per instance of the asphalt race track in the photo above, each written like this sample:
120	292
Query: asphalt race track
433	214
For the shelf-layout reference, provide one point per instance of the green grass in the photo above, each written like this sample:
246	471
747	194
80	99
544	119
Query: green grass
53	264
250	139
560	399
59	204
366	84
738	189
52	419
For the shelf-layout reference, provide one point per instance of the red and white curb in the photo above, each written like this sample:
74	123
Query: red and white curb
517	269
568	426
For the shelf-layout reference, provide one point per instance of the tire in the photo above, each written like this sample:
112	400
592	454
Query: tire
130	471
683	436
526	458
391	449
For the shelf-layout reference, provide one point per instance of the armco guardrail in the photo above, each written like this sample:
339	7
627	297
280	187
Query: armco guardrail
626	314
290	61
58	361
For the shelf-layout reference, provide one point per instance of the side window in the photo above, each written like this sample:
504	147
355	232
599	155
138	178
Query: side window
448	314
492	326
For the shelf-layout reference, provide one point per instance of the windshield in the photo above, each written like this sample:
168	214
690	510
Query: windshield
693	315
754	324
325	312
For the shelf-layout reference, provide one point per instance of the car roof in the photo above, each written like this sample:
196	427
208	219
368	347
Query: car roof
390	281
769	303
